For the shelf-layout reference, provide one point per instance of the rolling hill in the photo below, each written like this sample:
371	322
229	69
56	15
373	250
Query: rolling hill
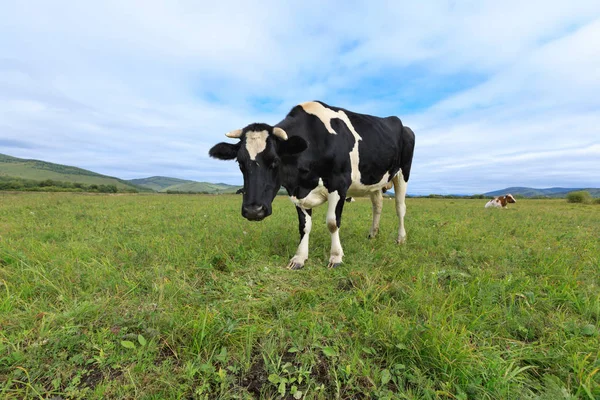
202	187
555	192
158	183
168	184
13	167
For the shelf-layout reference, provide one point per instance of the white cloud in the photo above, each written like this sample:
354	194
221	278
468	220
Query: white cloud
137	88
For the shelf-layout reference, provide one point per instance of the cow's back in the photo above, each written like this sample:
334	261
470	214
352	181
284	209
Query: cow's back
384	146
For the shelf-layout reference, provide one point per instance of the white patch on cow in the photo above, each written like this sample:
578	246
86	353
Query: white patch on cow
358	189
493	203
302	251
315	198
336	252
256	142
326	115
400	186
332	198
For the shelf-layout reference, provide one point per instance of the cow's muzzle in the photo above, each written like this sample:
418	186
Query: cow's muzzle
254	212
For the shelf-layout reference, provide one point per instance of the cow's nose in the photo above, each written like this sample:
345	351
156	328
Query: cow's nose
253	212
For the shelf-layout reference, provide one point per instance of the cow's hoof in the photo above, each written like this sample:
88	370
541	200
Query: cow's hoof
333	264
401	240
295	266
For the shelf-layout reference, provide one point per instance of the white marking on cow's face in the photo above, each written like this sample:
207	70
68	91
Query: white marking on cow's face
256	142
326	115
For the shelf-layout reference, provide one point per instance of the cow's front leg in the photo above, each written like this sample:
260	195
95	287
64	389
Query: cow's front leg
304	226
377	200
334	218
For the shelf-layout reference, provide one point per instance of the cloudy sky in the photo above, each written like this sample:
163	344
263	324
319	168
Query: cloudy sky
499	93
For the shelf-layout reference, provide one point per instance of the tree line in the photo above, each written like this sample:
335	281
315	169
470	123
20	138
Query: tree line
51	185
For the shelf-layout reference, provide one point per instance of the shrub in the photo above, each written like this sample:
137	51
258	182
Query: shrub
581	196
597	201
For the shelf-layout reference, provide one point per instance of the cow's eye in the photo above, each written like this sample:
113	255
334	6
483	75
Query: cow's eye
274	164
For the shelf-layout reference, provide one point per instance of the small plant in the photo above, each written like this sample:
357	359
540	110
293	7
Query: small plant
580	196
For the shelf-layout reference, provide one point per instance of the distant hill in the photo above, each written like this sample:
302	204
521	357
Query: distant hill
158	183
202	187
167	184
36	170
555	192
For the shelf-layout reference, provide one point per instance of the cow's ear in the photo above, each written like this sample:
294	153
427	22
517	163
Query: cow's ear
294	145
224	151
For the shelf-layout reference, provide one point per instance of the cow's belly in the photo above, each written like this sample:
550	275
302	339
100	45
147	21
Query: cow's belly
318	195
315	198
357	189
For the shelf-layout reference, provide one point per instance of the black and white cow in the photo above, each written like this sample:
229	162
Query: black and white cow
321	153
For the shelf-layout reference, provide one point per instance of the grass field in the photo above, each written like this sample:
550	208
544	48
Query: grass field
155	297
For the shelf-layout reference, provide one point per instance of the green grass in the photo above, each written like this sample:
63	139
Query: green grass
154	297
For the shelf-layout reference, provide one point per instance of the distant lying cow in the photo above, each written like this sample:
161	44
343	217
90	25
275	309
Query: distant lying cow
320	153
501	202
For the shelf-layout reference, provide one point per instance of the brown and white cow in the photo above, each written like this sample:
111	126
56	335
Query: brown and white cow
500	202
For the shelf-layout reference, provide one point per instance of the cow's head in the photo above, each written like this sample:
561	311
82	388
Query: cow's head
261	153
510	198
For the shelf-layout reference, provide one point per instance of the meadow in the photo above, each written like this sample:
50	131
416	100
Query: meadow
152	296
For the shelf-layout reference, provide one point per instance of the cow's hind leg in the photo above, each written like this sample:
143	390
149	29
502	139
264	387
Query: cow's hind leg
377	200
335	207
400	193
304	226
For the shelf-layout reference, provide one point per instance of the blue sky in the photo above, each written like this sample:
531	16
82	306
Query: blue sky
498	93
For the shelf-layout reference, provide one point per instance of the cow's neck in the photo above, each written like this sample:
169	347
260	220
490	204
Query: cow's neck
289	178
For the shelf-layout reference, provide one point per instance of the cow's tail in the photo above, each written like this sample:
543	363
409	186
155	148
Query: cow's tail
408	148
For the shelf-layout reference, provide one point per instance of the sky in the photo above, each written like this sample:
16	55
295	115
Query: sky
498	94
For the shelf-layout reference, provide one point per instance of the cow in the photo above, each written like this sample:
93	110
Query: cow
321	153
501	202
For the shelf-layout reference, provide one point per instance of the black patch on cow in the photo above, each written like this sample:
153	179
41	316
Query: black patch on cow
302	220
257	127
292	146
